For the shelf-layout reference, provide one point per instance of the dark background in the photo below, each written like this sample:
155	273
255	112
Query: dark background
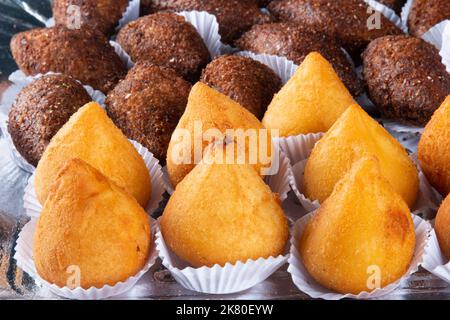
17	16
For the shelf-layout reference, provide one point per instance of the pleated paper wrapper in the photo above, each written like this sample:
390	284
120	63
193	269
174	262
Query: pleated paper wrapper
230	278
24	258
305	283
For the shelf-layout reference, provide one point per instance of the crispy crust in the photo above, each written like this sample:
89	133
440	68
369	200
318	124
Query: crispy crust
102	15
167	40
442	227
234	16
83	54
246	81
405	78
90	222
295	43
434	149
148	104
425	14
40	110
344	19
91	136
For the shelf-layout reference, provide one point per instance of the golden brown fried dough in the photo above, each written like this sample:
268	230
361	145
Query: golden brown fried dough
356	135
91	136
208	110
363	228
84	54
442	227
224	213
312	100
89	224
434	149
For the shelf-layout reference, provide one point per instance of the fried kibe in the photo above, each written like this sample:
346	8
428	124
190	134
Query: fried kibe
40	110
90	223
224	213
208	109
425	14
148	104
102	15
353	136
234	16
434	149
246	81
83	54
167	40
295	42
91	136
347	20
405	77
363	226
310	102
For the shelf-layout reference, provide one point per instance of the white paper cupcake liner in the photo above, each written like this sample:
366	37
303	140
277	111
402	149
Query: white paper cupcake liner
19	81
24	258
405	12
439	36
306	283
388	13
279	182
296	181
283	67
298	148
33	207
434	260
206	25
131	13
217	280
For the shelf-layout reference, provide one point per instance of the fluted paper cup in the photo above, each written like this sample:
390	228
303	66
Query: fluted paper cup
24	258
20	81
230	278
434	259
307	284
33	207
388	13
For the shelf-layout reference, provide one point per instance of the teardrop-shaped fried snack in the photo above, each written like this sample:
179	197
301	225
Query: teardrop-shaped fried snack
362	236
91	228
91	136
224	213
356	135
312	100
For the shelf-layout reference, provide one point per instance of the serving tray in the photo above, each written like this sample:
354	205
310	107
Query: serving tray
19	15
